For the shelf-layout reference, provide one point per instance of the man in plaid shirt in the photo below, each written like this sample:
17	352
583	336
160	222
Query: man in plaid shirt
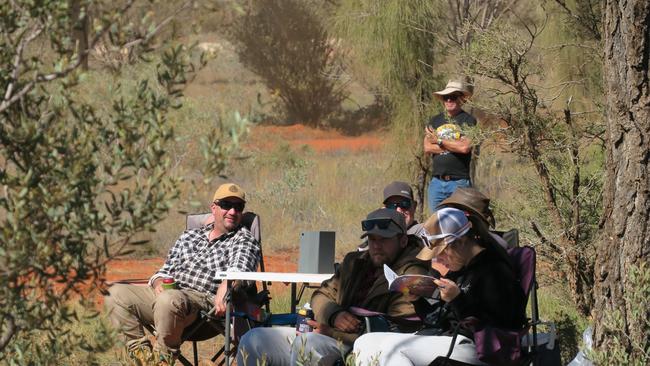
193	261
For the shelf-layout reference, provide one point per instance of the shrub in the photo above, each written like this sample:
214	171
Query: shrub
285	43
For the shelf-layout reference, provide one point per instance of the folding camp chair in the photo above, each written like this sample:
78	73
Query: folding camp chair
247	299
208	326
524	262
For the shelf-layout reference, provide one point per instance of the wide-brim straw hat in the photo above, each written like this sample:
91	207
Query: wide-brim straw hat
456	86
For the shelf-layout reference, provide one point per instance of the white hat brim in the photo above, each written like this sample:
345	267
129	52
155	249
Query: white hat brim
448	91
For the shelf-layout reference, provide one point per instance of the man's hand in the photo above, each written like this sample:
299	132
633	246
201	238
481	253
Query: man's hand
320	328
430	142
157	286
448	289
346	322
431	135
219	303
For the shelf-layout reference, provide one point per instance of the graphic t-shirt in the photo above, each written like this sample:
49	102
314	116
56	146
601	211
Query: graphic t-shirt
450	128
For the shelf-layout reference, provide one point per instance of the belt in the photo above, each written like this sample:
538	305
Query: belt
448	177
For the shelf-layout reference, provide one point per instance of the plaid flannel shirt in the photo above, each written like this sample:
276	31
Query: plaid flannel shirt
194	260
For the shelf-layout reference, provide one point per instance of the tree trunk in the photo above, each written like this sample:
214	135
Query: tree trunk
626	207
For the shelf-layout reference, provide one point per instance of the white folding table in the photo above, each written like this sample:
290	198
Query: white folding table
288	278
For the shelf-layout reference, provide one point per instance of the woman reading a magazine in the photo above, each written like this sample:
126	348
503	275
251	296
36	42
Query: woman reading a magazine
481	285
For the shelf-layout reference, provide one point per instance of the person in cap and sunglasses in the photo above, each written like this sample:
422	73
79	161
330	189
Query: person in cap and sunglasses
481	285
193	261
398	196
359	282
444	140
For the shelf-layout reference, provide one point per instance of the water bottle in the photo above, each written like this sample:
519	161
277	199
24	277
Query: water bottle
168	284
304	314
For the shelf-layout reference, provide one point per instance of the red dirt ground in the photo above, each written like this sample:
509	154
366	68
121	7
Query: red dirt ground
143	268
267	137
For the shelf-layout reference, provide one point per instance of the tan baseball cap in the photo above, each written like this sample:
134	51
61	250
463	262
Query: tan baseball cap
229	190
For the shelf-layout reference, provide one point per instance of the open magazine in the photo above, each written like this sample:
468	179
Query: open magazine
404	282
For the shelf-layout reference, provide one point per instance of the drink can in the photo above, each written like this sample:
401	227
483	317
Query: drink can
168	284
304	314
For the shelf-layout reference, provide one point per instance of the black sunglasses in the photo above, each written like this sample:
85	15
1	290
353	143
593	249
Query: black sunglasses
227	205
404	205
452	97
382	224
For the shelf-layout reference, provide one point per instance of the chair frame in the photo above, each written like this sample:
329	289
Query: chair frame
530	356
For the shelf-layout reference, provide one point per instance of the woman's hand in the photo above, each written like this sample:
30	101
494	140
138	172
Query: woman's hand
448	289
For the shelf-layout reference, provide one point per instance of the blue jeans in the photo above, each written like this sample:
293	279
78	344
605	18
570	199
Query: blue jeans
440	189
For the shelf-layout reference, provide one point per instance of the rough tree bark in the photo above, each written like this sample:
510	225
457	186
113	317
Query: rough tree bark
626	206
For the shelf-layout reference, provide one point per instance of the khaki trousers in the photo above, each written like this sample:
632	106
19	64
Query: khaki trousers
171	311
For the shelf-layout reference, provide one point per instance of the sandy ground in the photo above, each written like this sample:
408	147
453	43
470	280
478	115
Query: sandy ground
322	141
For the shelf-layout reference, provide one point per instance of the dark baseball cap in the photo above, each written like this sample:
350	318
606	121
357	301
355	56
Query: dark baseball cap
384	222
398	188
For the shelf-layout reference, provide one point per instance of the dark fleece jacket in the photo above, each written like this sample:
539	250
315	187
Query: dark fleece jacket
338	293
490	292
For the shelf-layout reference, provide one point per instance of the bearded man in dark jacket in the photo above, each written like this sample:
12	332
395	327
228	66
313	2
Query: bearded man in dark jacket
358	284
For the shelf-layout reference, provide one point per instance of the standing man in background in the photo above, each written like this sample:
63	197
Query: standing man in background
358	283
451	150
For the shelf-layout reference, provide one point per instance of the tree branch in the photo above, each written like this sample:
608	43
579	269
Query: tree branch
159	27
543	238
40	78
8	333
575	161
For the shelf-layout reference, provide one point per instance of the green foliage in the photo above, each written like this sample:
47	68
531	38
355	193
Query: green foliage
81	178
396	40
584	17
616	325
84	337
565	158
285	43
556	306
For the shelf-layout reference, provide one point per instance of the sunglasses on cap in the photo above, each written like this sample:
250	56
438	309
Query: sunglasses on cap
404	205
382	224
227	205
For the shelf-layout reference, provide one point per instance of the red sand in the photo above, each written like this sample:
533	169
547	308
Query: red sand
142	269
268	137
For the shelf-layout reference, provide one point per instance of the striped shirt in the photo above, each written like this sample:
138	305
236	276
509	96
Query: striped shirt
194	260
